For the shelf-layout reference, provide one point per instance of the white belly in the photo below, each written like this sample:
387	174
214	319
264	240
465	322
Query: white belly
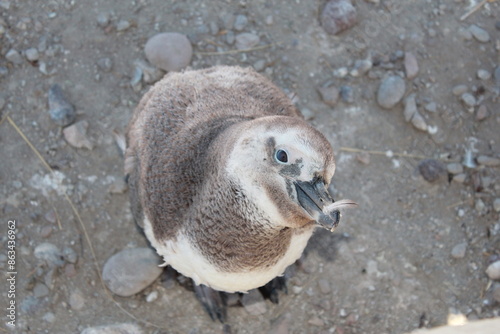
187	260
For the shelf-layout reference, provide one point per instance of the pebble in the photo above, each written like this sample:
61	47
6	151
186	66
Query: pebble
483	74
363	157
496	204
105	64
152	296
496	293
479	206
458	252
459	90
14	57
497	25
60	110
259	65
114	329
347	94
131	271
431	107
169	51
496	75
49	317
460	178
493	270
329	95
76	135
431	170
269	20
391	91
410	107
479	33
337	16
49	253
254	302
316	321
240	22
455	168
70	270
69	255
411	65
246	41
468	100
488	161
102	19
40	290
324	286
230	37
281	325
119	186
419	122
46	231
481	113
123	25
361	67
32	54
307	113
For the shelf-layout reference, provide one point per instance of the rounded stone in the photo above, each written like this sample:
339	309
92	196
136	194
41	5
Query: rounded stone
337	16
169	51
131	271
493	270
454	168
391	91
431	170
458	252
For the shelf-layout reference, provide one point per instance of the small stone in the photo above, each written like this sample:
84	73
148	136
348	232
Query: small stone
316	321
246	41
40	290
497	25
347	94
76	135
481	113
307	113
459	90
119	186
50	254
254	302
361	67
152	296
419	122
496	75
230	37
14	57
46	231
70	270
50	216
123	25
69	255
363	157
131	271
76	300
431	107
269	20
341	72
455	168
391	91
337	16
169	51
431	170
468	100
479	33
479	206
329	95
214	28
458	252
49	317
32	54
240	22
105	64
493	270
281	325
60	110
102	19
410	107
411	65
483	74
496	204
459	178
488	161
324	286
114	329
259	65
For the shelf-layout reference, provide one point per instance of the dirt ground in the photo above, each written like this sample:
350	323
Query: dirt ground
388	268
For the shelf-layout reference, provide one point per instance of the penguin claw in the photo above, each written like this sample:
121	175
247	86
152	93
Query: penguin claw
213	301
271	289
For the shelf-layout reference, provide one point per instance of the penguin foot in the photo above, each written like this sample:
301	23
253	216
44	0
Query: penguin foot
213	301
271	290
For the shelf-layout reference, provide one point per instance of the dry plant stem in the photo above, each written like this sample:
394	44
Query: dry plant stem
474	9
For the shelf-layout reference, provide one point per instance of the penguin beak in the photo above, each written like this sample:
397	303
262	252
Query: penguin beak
313	196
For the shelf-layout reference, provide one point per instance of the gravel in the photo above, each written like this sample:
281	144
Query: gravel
337	16
76	135
391	91
169	51
131	271
60	110
411	65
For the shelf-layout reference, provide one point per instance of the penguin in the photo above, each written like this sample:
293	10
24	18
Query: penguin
226	179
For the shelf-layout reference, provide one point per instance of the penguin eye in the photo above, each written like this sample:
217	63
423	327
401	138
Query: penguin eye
281	156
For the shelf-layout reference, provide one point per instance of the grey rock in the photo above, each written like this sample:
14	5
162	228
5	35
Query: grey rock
69	255
40	290
76	135
337	16
228	21
324	286
411	65
488	161
361	66
410	107
483	74
123	25
259	65
114	329
479	206
254	302
49	317
481	113
391	91
431	170
246	41
76	300
240	22
496	75
105	64
419	122
347	94
119	186
459	90
3	71
468	100
32	54
431	107
60	110
479	33
214	28
49	253
14	57
458	252
169	51
307	113
281	325
493	270
455	168
329	95
459	178
496	293
230	37
102	19
269	20
131	271
496	204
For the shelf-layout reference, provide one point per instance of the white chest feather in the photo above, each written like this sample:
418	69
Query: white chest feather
187	260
